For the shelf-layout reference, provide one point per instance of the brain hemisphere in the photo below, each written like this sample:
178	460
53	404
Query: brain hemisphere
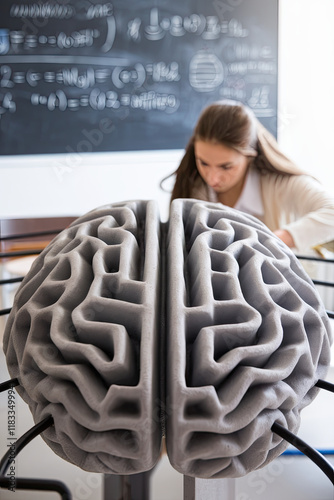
82	339
211	307
254	340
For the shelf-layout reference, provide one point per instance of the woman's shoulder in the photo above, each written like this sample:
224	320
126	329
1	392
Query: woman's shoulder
296	185
276	177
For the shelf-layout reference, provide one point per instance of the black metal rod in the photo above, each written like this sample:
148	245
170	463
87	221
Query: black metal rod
127	487
19	253
28	483
323	384
330	314
316	259
306	449
9	384
23	441
3	312
30	235
11	280
323	283
38	485
323	451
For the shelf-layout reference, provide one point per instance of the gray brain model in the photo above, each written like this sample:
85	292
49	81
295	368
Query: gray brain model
247	339
211	307
82	338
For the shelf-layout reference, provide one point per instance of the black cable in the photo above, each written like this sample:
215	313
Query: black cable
323	384
9	384
23	441
38	485
28	483
323	283
306	449
3	312
330	314
316	259
11	280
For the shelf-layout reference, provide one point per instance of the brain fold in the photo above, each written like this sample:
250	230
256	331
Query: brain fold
205	328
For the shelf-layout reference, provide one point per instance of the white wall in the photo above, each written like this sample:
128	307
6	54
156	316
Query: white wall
306	92
74	184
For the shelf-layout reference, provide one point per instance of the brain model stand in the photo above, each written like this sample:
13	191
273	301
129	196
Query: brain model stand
205	328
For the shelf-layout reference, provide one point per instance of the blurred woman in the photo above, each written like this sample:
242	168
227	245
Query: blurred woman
232	159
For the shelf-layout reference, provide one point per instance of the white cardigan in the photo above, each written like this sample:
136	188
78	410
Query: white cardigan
297	203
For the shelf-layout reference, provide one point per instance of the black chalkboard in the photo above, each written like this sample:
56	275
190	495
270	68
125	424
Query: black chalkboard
90	75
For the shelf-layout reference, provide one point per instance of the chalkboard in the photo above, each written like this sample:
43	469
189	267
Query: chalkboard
90	75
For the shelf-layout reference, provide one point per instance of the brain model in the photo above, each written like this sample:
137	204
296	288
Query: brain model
205	328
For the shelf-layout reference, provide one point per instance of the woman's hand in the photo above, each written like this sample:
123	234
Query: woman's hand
286	237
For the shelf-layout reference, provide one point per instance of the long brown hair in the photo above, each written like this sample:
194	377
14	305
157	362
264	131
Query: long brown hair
234	125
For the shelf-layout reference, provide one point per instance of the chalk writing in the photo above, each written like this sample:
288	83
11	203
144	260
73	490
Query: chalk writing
76	39
208	27
5	77
120	76
99	100
7	104
232	93
50	10
99	10
4	41
245	67
46	11
206	72
150	70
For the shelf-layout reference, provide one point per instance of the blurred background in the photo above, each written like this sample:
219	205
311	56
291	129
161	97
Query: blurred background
72	183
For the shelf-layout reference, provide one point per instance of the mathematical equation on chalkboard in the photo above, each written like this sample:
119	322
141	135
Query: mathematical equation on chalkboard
77	60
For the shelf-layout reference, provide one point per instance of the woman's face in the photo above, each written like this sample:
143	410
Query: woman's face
222	168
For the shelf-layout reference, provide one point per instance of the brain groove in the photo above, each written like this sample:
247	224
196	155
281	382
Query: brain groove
235	362
205	328
86	348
